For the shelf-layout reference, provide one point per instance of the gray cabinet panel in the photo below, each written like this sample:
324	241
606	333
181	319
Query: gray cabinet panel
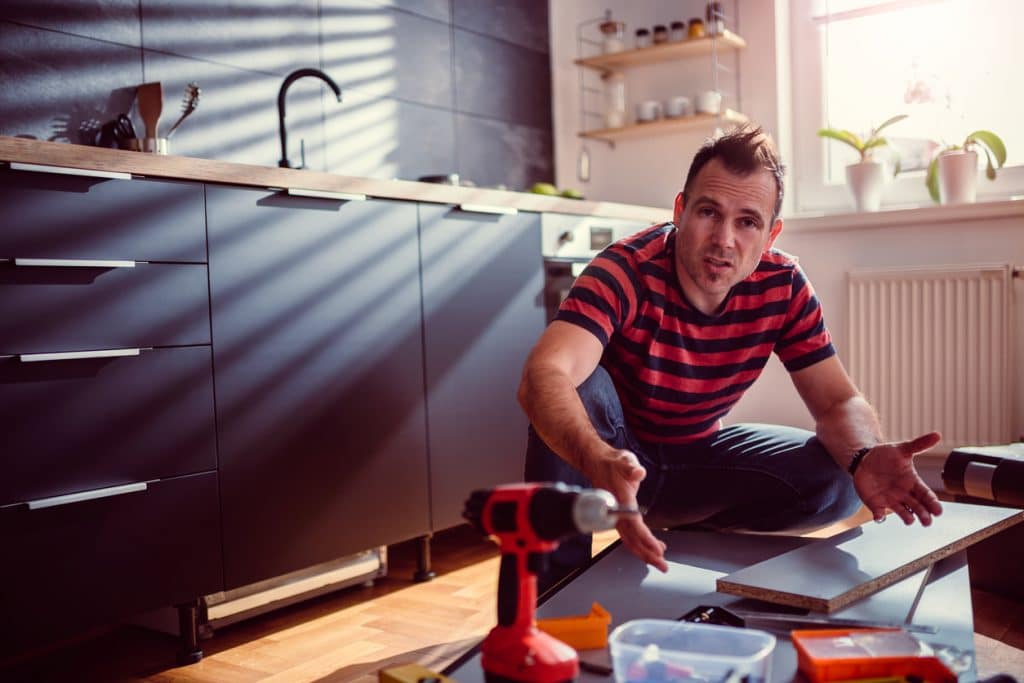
74	308
50	215
318	366
74	425
483	311
74	566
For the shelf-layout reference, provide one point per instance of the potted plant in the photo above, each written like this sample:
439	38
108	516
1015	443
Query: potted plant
866	177
953	173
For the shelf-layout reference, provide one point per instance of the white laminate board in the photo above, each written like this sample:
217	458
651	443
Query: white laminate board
831	573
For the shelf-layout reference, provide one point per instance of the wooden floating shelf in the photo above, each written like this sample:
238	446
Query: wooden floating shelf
663	126
664	52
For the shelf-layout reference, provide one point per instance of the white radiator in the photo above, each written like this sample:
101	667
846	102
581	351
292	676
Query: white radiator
932	349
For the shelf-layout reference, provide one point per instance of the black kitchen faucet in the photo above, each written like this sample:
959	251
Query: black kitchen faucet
289	79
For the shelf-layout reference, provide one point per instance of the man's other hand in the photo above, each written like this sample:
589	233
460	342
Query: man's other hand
886	478
621	474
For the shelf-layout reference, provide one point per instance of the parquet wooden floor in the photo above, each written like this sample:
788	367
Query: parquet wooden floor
351	634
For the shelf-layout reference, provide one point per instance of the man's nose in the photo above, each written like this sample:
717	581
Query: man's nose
723	234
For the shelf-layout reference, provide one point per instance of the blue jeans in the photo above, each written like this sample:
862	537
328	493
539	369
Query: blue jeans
745	477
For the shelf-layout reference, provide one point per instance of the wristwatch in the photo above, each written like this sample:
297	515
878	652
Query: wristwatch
857	457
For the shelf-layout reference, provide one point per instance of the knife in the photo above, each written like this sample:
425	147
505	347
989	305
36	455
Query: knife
713	614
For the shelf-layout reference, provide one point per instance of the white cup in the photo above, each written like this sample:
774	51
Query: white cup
648	110
709	102
678	106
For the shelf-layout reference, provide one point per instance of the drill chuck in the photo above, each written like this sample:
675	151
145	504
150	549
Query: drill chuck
594	510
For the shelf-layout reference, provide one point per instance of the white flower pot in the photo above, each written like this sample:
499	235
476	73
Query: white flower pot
866	180
958	177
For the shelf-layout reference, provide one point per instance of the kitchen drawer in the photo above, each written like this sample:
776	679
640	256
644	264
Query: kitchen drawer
80	308
60	216
74	566
73	425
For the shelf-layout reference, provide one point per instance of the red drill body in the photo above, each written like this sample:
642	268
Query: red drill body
529	520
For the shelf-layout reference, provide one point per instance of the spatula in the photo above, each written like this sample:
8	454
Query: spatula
150	97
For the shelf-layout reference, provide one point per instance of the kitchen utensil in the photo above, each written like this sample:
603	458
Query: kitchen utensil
709	102
124	130
648	110
150	98
678	106
188	104
614	36
583	164
152	145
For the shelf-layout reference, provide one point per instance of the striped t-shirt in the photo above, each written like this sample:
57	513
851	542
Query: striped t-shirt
678	371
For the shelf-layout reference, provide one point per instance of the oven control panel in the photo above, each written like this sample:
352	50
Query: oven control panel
566	236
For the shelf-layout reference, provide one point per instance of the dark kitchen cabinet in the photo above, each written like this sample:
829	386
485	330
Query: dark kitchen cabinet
318	368
72	566
108	484
483	311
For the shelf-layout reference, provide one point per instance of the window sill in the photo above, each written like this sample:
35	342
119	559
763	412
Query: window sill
889	218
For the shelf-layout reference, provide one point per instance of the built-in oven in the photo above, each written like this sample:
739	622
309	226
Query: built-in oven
569	243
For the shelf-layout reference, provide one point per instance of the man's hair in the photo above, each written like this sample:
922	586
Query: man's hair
746	150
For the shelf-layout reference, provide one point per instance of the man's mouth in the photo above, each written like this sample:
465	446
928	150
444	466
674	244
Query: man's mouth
717	263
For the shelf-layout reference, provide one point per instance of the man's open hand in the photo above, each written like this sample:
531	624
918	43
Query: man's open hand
621	474
886	478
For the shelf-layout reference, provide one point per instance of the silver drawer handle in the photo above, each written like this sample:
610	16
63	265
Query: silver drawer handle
73	263
67	170
75	355
325	194
486	208
69	498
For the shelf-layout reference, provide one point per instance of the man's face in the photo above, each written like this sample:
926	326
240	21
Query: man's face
722	231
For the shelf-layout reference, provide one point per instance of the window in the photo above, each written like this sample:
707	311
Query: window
951	65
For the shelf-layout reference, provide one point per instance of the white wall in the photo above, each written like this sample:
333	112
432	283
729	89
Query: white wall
651	170
830	248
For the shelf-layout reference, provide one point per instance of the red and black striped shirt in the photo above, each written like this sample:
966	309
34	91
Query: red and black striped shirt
678	371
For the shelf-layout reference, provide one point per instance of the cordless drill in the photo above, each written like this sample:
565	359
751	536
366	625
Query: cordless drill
529	520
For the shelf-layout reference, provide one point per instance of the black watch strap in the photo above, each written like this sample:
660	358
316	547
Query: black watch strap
857	457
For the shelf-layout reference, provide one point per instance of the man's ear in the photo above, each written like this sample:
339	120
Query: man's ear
774	234
677	212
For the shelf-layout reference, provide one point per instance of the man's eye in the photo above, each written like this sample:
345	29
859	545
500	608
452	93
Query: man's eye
706	211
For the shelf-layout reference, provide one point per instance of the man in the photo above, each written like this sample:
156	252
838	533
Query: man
661	335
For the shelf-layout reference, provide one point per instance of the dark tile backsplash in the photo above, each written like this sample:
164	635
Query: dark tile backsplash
524	22
501	80
116	21
62	87
430	86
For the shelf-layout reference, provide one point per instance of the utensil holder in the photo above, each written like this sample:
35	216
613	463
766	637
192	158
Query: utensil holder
151	145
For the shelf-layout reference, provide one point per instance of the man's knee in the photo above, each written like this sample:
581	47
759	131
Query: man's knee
833	499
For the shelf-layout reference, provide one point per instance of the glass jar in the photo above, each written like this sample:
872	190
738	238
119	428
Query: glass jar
614	99
660	34
715	18
677	31
643	38
614	36
696	28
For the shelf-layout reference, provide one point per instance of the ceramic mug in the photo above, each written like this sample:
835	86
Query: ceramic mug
648	110
709	102
677	106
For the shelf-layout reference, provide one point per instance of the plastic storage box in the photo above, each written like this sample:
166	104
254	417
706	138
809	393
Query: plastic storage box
666	650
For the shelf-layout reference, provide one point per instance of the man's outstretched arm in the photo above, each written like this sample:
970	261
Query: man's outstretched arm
564	358
846	423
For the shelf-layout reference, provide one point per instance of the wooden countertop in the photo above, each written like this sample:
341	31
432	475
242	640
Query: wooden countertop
213	171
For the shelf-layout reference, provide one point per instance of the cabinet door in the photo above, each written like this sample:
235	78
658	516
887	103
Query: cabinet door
73	217
77	565
318	369
483	311
71	308
91	423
